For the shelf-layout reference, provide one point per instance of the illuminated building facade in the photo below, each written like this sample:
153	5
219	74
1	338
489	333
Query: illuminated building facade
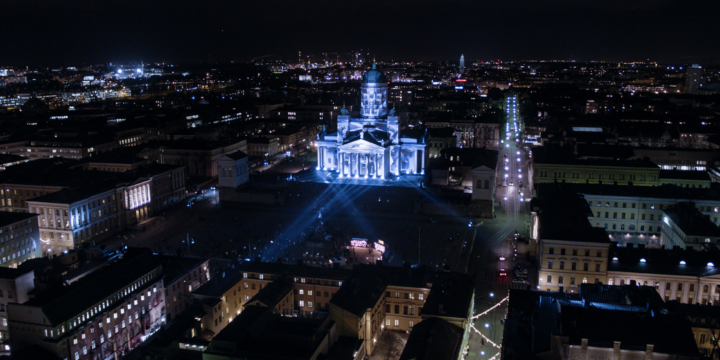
371	146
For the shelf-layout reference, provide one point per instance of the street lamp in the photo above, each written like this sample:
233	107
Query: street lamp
492	295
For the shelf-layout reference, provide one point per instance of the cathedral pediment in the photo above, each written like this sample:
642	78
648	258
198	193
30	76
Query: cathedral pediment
359	145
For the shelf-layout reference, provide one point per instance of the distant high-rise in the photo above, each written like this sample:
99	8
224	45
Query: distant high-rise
692	78
462	63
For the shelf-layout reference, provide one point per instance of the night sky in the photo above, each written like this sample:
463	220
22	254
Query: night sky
73	33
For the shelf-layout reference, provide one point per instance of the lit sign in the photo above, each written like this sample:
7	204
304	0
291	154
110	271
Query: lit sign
358	242
379	247
458	88
461	80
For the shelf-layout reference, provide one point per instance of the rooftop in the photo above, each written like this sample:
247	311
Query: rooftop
8	218
676	262
62	303
435	339
691	221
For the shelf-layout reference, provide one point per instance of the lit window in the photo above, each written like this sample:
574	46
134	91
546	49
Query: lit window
309	292
301	292
397	323
302	303
309	304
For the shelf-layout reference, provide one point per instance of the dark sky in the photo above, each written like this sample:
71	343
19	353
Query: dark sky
76	32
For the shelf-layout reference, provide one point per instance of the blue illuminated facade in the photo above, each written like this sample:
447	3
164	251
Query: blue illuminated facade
371	146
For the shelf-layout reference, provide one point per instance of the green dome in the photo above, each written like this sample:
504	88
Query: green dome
374	76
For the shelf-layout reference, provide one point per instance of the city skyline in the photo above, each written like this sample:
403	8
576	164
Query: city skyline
88	33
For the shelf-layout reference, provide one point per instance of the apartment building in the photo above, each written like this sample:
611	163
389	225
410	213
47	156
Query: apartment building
104	315
15	286
19	238
263	147
634	214
73	216
182	276
550	169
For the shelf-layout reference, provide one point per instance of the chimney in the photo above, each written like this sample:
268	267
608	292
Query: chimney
616	350
649	352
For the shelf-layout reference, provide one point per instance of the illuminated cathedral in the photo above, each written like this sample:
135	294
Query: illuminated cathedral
371	146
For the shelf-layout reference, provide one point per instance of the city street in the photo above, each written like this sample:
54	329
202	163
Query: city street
497	252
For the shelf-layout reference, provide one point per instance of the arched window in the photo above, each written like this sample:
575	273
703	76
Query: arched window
560	280
614	226
650	228
622	226
584	280
631	227
605	226
667	286
549	279
657	285
642	227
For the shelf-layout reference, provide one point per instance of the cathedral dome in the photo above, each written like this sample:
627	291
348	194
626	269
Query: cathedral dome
374	76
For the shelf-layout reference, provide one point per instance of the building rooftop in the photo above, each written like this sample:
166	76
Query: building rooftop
663	261
237	155
60	304
684	175
666	191
257	333
271	294
75	194
175	267
7	218
564	215
433	338
691	221
451	296
600	313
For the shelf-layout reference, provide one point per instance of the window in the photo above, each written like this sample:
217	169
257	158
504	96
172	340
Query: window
692	287
397	323
573	266
562	265
586	267
575	252
77	355
599	253
584	280
410	324
302	303
309	304
550	264
572	280
667	286
397	309
549	279
420	296
301	292
560	280
705	289
551	251
679	287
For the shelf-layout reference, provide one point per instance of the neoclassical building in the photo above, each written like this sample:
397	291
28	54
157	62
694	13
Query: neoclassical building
371	146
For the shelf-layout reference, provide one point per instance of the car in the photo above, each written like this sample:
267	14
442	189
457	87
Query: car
338	260
511	183
502	272
502	257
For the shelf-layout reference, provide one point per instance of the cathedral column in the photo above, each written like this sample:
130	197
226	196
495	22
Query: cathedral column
422	161
321	157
